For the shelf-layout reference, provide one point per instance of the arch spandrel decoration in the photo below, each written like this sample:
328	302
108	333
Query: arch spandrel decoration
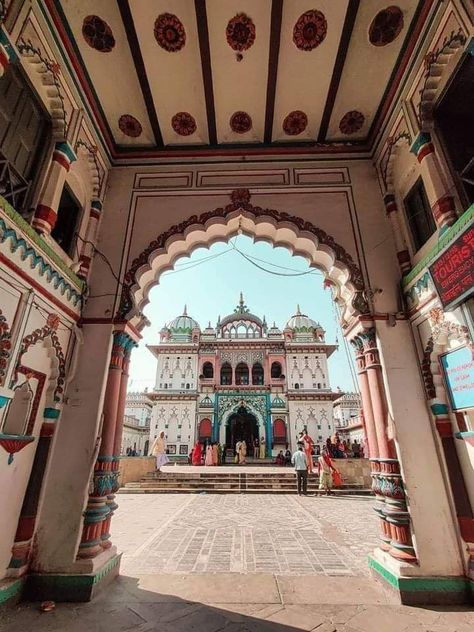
278	228
230	404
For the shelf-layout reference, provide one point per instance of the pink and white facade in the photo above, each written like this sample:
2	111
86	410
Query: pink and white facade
279	377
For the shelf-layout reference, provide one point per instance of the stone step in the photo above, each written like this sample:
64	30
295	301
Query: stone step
172	490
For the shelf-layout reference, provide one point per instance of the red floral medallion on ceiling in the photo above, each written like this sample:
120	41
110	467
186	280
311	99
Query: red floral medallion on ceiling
240	32
386	26
98	34
352	122
183	124
240	122
169	32
130	126
310	30
295	123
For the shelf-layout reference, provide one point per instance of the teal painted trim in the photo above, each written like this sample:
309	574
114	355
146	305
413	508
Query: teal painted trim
422	139
97	204
453	231
66	149
464	435
439	409
11	590
10	50
470	47
420	584
51	413
36	258
4	400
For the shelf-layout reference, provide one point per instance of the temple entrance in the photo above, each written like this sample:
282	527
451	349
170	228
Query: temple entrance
241	426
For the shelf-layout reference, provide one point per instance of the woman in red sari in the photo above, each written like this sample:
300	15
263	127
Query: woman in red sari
308	450
197	454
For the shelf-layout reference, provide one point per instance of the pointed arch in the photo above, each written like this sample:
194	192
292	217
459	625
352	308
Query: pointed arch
279	228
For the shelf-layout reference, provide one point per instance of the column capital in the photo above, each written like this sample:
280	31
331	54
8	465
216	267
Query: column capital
64	154
422	146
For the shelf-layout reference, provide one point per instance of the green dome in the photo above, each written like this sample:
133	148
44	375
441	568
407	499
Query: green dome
300	323
183	324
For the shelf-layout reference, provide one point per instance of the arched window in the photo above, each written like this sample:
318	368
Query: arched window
242	374
208	370
19	410
205	429
297	385
257	374
276	370
279	432
242	331
226	374
188	386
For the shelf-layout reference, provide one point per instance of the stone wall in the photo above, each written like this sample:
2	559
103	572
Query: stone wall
132	468
354	471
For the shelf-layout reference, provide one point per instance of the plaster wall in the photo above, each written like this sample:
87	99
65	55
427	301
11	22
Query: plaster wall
308	370
178	421
177	372
317	416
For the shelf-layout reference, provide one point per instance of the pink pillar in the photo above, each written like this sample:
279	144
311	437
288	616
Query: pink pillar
437	190
90	238
121	402
366	401
47	209
393	215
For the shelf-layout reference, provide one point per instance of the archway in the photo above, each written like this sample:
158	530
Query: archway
241	426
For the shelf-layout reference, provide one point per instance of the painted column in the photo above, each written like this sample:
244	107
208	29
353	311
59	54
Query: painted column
393	215
268	427
442	204
7	55
26	524
47	209
95	536
90	239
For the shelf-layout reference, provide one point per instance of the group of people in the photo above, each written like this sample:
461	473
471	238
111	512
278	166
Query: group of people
302	460
341	449
214	453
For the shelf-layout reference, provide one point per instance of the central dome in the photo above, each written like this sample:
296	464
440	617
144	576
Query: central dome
241	312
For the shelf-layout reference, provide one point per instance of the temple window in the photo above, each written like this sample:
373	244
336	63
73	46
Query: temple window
419	216
242	374
24	139
207	370
257	374
69	212
226	374
454	117
276	370
18	411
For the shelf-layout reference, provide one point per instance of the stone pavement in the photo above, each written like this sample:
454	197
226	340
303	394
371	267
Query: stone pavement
318	580
245	533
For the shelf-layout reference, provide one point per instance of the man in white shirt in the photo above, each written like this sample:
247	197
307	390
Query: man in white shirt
300	462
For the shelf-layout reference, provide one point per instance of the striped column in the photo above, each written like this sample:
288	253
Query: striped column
90	238
47	210
393	215
442	204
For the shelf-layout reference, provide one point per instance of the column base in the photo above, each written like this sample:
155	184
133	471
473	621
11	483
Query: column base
75	586
11	591
420	591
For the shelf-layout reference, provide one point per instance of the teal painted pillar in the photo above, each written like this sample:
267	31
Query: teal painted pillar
268	428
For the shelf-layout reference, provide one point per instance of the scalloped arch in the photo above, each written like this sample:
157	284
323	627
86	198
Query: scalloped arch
279	229
393	144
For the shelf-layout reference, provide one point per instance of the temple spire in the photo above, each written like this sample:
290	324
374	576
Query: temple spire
241	302
185	311
298	311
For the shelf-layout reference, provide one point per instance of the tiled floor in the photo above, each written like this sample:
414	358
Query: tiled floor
248	533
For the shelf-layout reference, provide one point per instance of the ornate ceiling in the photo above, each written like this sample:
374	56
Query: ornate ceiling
189	76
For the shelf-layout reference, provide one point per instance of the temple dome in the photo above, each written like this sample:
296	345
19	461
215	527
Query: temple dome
241	312
183	324
301	323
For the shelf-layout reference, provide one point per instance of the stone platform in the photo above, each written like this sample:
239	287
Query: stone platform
246	479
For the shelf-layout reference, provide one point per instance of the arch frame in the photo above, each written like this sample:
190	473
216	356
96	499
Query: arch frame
281	229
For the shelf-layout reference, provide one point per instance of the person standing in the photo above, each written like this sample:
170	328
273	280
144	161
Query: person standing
208	460
299	460
242	452
197	454
308	450
158	449
262	448
223	455
325	470
256	449
215	454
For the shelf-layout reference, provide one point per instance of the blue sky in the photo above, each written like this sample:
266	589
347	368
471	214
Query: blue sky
209	283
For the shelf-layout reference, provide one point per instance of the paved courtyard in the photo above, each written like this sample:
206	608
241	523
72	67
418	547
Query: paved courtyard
241	563
246	533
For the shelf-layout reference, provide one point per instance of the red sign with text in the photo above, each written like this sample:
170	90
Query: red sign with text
453	271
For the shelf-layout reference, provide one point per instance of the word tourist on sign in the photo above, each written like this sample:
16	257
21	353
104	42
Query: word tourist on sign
453	271
458	368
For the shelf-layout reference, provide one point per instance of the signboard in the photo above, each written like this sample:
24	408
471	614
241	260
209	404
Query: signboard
458	368
453	270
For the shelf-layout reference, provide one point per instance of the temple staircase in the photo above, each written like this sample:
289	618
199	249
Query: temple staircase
230	480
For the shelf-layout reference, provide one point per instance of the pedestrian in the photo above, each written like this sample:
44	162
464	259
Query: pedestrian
308	449
215	454
224	448
325	470
262	448
197	453
158	449
208	459
256	449
280	458
287	455
356	449
299	460
242	452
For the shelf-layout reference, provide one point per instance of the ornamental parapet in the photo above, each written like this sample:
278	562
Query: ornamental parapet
30	256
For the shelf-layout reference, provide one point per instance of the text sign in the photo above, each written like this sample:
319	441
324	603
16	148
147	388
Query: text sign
458	367
453	271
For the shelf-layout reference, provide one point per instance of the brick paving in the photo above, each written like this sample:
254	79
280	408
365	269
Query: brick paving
248	533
